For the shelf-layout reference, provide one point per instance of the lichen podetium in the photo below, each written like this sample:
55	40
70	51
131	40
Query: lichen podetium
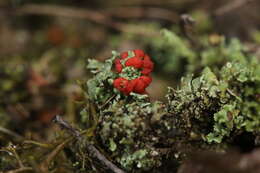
206	112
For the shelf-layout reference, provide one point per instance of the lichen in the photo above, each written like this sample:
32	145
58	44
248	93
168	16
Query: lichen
226	104
208	110
99	87
126	132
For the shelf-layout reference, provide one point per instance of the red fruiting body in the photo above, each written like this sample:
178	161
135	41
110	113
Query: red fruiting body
140	61
139	53
135	62
139	86
118	65
124	55
123	85
146	79
147	65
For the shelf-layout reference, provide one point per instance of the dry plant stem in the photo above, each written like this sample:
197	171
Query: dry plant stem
37	144
93	151
17	157
11	133
45	164
102	18
64	124
53	10
146	12
91	148
187	26
23	169
232	5
108	100
164	3
11	149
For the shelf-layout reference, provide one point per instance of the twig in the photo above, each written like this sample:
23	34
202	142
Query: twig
43	145
54	10
145	12
231	6
11	133
90	148
65	125
99	17
166	3
107	101
23	169
96	153
45	164
187	26
17	157
11	149
233	94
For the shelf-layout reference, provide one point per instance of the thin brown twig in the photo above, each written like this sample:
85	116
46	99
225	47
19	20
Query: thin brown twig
187	26
65	125
17	157
11	150
22	169
92	150
231	6
11	133
61	11
145	12
96	153
166	3
107	101
45	164
100	17
43	145
56	10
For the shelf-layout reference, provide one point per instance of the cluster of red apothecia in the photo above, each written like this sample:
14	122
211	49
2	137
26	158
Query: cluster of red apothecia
140	61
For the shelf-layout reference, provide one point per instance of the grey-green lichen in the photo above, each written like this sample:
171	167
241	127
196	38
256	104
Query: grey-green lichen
224	105
209	109
99	87
176	55
130	73
126	131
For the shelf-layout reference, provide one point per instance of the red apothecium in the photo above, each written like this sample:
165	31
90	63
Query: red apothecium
142	63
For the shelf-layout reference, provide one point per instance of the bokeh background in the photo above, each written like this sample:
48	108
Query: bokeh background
45	44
